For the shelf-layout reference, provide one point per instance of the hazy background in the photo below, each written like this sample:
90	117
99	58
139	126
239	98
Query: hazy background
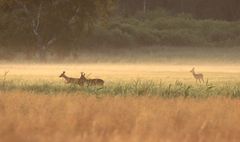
80	31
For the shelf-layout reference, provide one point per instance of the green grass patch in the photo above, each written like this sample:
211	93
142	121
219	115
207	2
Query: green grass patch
133	88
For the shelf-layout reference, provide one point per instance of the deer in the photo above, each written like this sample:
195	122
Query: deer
197	76
90	82
70	79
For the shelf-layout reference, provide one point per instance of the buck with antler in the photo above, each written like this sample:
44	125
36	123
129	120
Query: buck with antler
197	76
70	79
90	82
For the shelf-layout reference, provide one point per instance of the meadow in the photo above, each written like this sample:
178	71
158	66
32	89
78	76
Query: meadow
124	79
139	102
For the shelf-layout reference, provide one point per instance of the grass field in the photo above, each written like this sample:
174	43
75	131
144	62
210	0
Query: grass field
26	117
124	79
139	102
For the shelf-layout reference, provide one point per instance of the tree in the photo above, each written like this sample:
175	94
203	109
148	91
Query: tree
48	21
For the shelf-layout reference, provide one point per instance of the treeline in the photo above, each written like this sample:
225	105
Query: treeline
210	9
37	27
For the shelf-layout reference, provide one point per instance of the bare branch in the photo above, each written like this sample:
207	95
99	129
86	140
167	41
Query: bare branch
36	22
35	31
144	6
51	41
39	15
88	75
35	19
73	18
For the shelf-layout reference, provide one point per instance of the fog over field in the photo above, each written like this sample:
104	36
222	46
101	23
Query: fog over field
121	71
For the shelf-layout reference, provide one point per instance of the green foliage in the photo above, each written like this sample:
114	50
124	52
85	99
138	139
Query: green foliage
25	21
82	24
204	9
135	88
162	28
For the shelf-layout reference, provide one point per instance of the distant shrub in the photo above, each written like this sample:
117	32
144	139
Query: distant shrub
160	27
155	28
120	38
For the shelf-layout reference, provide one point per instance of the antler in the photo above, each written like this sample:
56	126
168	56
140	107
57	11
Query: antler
82	73
88	75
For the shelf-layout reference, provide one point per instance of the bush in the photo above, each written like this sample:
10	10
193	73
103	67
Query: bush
155	28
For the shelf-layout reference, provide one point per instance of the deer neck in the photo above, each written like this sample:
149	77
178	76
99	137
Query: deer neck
65	77
83	78
193	72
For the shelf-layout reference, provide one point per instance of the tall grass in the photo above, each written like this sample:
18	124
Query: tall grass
26	117
35	105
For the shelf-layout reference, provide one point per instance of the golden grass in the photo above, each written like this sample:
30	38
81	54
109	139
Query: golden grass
41	118
26	117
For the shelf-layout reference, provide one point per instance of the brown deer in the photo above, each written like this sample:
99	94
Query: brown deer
90	82
197	76
70	79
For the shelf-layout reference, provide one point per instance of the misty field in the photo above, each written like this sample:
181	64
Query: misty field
139	102
124	79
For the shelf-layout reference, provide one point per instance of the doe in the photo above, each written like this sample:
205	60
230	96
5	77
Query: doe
197	76
90	82
70	79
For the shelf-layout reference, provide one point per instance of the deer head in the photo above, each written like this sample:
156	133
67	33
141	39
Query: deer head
82	74
62	74
193	69
82	77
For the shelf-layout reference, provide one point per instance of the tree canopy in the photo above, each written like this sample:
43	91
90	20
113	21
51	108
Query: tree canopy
45	21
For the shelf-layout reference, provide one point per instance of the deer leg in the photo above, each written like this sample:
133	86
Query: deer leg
80	84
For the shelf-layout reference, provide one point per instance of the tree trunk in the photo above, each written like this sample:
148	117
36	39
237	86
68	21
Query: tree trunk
144	6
